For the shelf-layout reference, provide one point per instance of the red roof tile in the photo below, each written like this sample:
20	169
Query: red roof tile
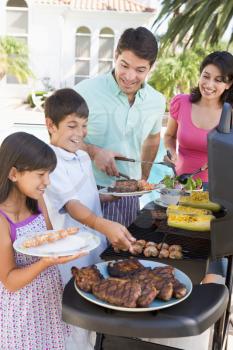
100	5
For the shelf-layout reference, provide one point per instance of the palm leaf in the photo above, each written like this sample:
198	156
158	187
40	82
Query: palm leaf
194	18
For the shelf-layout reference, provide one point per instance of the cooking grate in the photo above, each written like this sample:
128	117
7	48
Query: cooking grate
193	248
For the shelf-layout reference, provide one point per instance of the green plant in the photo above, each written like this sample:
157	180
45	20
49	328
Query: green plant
14	59
37	93
191	19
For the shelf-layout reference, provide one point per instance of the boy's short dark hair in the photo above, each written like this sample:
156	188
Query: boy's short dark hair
64	102
141	42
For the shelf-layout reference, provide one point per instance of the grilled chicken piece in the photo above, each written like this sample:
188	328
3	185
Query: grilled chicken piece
162	246
138	247
151	250
86	277
175	254
124	268
120	292
175	247
163	254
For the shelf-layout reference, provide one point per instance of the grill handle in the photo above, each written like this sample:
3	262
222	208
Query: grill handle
225	123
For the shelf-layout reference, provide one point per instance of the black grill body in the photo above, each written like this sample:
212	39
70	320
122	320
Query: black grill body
220	160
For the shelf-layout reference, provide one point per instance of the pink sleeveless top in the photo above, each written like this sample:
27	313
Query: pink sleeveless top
192	141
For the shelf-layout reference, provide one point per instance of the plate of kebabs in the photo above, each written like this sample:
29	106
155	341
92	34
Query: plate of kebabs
62	242
132	285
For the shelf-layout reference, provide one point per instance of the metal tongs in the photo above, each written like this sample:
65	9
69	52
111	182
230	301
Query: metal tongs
183	178
125	159
123	175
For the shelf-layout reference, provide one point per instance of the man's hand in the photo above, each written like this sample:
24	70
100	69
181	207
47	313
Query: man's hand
104	160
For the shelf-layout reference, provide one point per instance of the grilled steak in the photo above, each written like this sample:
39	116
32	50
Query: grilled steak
86	277
163	286
124	186
124	268
118	292
179	289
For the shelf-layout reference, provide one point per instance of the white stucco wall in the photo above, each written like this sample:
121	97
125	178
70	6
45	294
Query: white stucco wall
51	41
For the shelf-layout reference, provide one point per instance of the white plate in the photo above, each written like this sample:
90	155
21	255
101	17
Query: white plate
83	240
127	194
160	203
155	305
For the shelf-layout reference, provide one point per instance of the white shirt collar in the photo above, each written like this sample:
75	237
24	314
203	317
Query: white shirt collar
65	154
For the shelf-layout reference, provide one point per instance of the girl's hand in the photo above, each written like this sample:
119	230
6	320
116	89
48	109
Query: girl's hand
62	259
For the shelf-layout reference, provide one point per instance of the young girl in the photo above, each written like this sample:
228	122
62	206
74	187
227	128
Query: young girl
193	116
30	288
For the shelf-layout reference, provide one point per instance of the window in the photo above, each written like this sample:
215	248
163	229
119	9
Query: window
82	54
106	50
16	25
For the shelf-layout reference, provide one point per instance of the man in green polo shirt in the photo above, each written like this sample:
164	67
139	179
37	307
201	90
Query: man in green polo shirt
125	118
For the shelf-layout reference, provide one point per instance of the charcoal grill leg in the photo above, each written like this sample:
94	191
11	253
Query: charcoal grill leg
99	341
221	326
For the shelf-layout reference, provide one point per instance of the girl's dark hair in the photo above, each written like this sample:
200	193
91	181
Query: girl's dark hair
25	152
224	61
64	102
141	42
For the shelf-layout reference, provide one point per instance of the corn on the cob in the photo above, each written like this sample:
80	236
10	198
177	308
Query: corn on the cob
199	200
190	222
181	209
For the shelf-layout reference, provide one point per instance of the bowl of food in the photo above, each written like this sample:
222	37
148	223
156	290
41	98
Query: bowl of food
170	195
173	189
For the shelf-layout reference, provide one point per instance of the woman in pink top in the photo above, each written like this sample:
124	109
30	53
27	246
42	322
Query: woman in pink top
193	116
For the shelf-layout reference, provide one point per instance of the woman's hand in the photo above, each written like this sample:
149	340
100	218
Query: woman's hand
171	156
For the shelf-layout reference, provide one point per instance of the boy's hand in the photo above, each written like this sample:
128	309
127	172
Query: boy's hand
62	259
105	161
119	236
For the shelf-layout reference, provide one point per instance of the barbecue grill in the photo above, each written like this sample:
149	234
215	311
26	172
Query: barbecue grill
208	304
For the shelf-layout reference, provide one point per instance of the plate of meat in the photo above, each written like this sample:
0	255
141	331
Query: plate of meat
132	285
126	188
62	242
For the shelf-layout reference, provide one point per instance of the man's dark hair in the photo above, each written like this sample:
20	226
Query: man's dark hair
141	42
64	102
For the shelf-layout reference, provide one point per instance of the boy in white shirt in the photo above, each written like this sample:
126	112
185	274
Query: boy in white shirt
72	198
72	195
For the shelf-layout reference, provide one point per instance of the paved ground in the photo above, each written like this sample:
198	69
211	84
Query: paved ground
17	116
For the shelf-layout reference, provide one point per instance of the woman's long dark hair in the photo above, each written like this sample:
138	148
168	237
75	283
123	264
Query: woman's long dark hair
224	61
25	152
